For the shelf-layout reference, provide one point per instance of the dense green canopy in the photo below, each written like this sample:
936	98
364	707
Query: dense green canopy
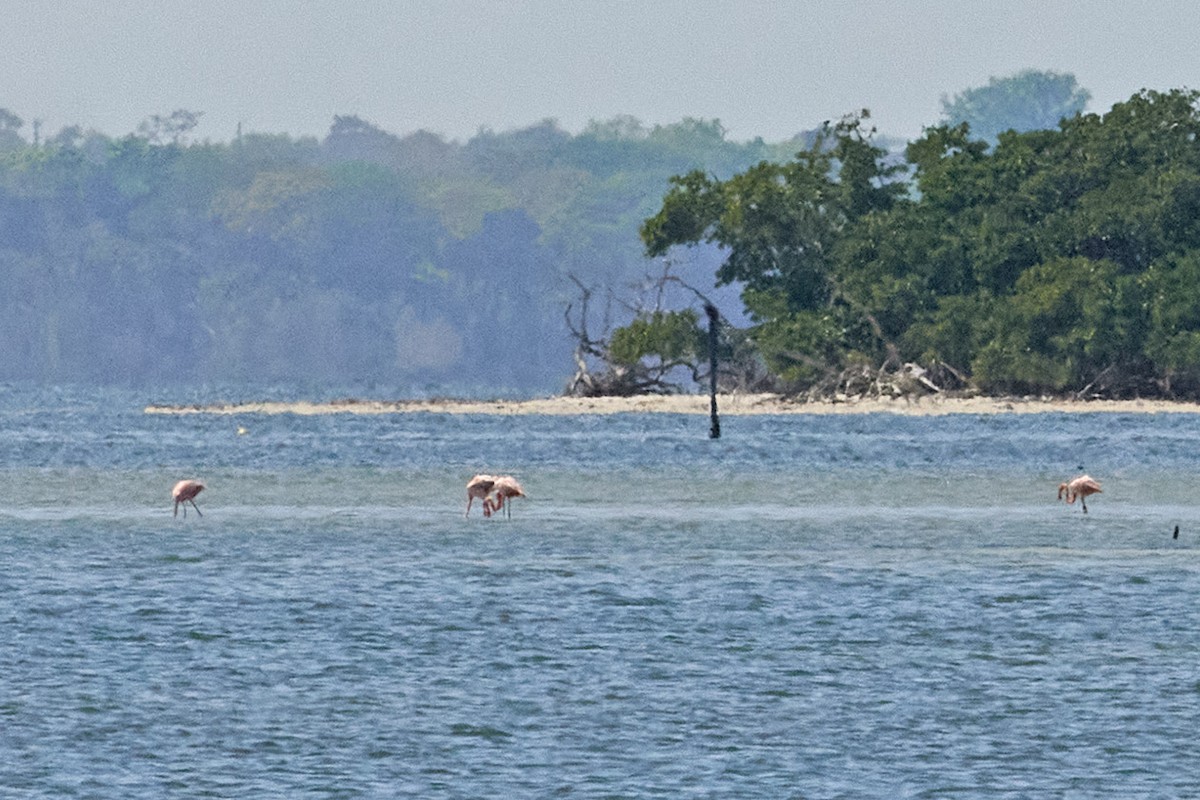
1057	261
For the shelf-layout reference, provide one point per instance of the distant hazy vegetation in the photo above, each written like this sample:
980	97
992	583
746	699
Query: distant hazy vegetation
364	257
1050	260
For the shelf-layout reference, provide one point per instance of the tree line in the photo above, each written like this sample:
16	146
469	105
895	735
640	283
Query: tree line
1019	246
361	258
1061	261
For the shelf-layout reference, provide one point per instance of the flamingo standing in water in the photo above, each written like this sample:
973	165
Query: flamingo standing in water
185	492
480	486
505	488
1079	487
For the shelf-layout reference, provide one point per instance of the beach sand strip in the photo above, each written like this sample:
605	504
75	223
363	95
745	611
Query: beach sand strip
728	405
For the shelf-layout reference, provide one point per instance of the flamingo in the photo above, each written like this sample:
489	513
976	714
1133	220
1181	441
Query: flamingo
1079	487
506	488
185	492
479	486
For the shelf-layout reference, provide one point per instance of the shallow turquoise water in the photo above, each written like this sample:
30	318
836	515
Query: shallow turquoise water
809	607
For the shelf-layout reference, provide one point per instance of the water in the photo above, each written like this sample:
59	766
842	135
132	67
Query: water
807	608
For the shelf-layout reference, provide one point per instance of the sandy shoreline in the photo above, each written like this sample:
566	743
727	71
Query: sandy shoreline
728	405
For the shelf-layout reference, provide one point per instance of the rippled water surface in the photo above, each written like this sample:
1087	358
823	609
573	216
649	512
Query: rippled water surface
809	607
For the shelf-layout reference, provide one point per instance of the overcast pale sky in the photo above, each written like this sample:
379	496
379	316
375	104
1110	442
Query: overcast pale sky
768	69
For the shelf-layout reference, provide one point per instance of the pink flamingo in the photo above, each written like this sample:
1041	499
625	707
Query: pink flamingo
505	488
1079	487
185	492
479	486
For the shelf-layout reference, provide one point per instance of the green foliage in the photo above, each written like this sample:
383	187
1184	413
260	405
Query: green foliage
1059	236
1058	330
1172	291
690	209
800	346
1078	241
1056	261
952	332
280	205
1027	101
1053	260
674	338
780	221
781	226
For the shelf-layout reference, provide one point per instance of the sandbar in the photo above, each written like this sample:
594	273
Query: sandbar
728	404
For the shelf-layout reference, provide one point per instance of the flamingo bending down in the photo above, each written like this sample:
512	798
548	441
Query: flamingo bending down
479	486
505	488
1079	487
185	492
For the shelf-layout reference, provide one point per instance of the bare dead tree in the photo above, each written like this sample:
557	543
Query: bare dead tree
597	373
583	382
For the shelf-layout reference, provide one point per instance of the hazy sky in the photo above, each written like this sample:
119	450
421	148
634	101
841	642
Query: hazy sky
768	69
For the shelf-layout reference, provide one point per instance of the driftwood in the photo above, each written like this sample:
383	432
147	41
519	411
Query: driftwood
863	382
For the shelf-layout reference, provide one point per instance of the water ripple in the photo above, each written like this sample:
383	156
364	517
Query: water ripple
875	607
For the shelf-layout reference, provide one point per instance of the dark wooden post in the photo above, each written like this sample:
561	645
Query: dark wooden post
713	322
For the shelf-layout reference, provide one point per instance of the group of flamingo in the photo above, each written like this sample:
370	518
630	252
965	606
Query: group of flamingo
496	490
